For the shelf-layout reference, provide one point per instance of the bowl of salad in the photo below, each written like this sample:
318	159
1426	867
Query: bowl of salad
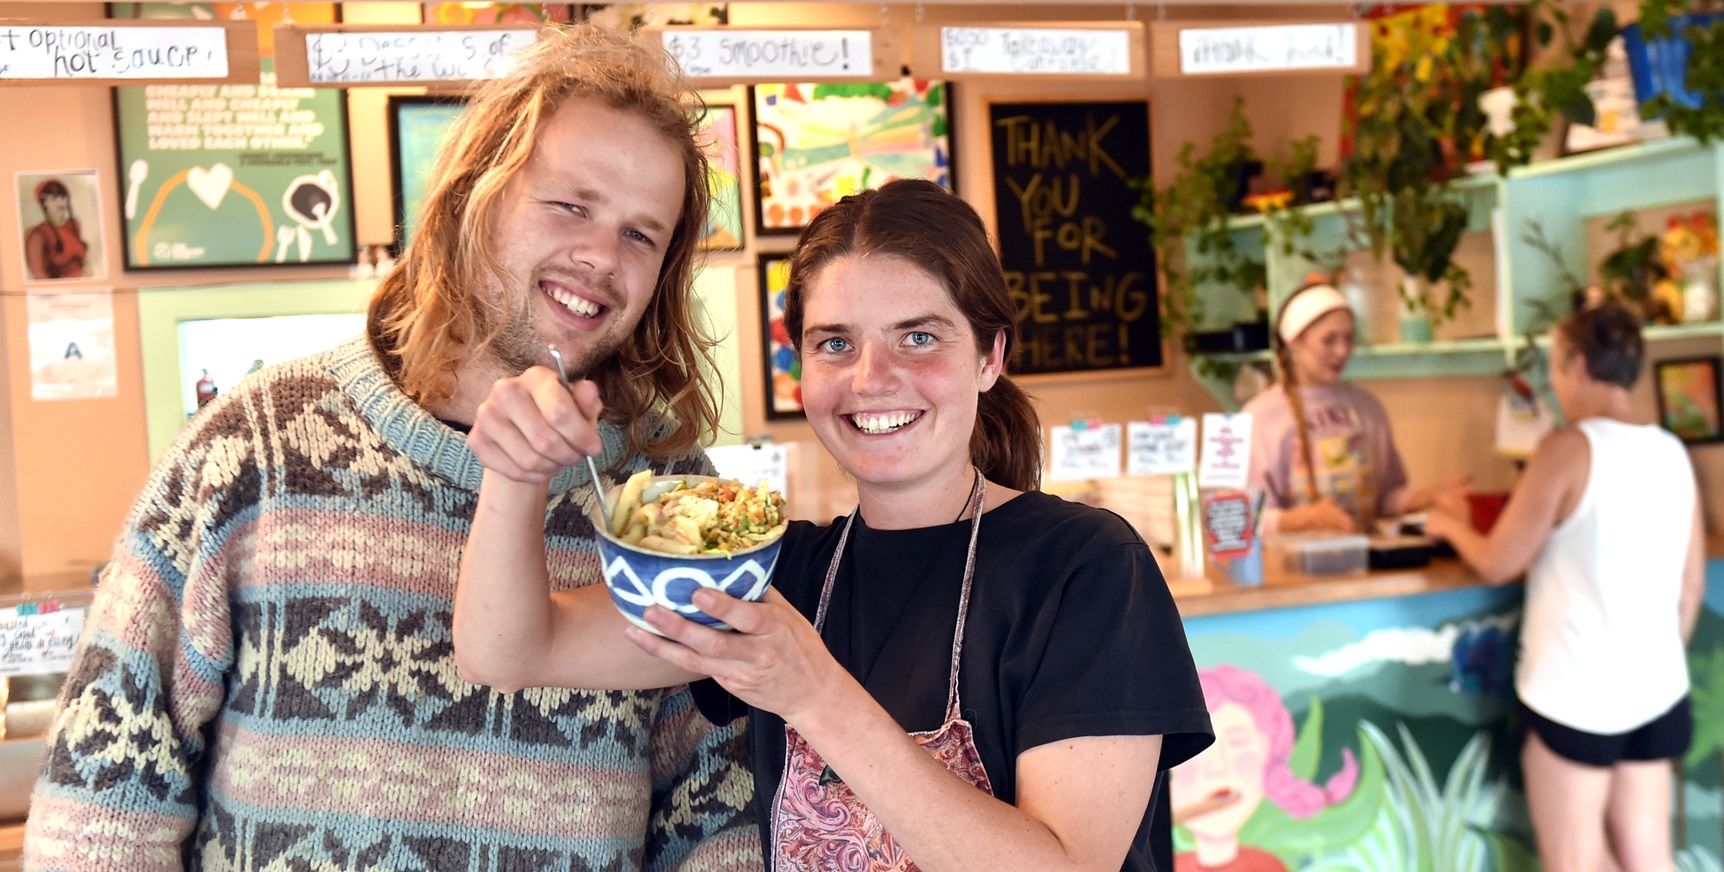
668	536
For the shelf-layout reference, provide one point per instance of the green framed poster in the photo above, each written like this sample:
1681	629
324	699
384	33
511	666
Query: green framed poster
233	175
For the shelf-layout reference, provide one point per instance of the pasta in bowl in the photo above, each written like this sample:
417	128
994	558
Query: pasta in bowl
670	535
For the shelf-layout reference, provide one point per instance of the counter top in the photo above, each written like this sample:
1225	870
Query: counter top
1203	596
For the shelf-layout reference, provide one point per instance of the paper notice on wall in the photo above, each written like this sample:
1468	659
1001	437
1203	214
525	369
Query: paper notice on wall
753	464
38	637
1162	446
1225	461
72	346
1084	450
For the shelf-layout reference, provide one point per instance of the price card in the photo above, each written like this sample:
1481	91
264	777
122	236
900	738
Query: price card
753	464
1226	457
381	57
1161	446
788	55
1084	450
38	637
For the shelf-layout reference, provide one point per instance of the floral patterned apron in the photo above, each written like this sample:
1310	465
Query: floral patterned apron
818	824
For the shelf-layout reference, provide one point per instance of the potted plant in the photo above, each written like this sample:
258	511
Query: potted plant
1556	87
1418	124
1188	222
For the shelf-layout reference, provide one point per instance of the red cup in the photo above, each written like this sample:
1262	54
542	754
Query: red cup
1485	509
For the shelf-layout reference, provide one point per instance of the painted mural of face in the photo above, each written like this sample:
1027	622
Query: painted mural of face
1235	765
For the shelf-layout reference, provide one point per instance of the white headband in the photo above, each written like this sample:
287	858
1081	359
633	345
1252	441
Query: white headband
1307	306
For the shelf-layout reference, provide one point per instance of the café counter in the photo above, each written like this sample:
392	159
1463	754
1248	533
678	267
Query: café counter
1389	696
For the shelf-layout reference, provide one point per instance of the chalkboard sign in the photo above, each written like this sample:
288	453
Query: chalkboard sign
1080	269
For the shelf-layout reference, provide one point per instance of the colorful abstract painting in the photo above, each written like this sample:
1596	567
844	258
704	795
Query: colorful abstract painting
783	369
1688	398
816	143
724	182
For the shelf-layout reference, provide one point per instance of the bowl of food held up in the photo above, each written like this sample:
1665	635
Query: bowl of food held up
669	535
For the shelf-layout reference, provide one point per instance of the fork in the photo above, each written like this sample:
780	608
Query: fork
592	469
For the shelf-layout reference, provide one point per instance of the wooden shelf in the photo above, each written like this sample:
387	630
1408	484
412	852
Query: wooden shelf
1622	154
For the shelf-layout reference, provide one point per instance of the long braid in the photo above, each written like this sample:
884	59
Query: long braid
1301	430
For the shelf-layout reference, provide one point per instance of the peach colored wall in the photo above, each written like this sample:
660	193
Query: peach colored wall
69	471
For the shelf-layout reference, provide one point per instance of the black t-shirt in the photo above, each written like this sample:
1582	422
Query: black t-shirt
1071	632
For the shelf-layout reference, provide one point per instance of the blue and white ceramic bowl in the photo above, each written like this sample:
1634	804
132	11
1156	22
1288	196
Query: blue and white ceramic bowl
638	577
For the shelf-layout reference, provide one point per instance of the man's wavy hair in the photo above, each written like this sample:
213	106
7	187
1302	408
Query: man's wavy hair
437	308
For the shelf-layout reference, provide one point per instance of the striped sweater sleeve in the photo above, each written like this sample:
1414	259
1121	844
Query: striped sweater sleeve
119	789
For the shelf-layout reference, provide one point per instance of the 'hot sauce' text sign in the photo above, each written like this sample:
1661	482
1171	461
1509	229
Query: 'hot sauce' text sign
1080	269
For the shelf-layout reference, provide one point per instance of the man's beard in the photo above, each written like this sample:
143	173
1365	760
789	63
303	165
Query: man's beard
519	346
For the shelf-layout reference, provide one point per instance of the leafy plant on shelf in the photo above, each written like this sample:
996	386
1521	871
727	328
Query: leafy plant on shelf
1188	223
1529	360
1418	122
1555	87
1704	120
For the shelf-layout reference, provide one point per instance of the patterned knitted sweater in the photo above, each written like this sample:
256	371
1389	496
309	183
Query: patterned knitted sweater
267	679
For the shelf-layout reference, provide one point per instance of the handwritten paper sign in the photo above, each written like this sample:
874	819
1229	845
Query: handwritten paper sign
753	464
1228	524
379	57
1112	51
105	52
1079	268
1226	456
1165	446
760	56
38	637
1083	452
1185	49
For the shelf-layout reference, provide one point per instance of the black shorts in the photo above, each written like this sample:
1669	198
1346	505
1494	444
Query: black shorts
1661	738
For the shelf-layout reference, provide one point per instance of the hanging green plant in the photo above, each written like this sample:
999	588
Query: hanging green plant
1557	87
1188	222
1418	123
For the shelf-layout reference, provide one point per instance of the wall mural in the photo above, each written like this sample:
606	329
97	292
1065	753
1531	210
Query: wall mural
1376	735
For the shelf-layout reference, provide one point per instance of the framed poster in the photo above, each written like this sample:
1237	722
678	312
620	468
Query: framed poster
234	175
1080	268
60	226
1689	398
724	183
418	127
815	143
782	368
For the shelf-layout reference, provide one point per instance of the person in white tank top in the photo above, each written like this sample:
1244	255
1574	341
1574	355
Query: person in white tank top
1606	525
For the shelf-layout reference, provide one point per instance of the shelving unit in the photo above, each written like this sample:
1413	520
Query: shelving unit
1561	194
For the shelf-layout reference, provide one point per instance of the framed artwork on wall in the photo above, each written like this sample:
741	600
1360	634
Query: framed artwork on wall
815	143
783	371
724	184
234	175
498	13
418	127
60	226
1689	398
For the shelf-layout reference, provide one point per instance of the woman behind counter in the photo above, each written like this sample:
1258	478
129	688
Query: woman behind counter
966	671
1606	525
1321	449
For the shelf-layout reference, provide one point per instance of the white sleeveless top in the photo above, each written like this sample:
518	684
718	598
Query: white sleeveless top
1601	643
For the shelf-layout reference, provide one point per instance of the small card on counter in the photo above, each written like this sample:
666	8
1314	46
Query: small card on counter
1161	446
38	637
1084	450
1225	461
753	464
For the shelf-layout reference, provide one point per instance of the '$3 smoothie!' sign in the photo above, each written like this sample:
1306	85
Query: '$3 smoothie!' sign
1080	269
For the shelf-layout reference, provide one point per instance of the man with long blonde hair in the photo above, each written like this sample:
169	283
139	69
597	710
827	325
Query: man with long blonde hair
266	679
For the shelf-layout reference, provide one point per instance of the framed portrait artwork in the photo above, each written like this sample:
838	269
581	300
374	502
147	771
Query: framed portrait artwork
240	175
1689	398
724	183
60	226
815	143
418	127
783	371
